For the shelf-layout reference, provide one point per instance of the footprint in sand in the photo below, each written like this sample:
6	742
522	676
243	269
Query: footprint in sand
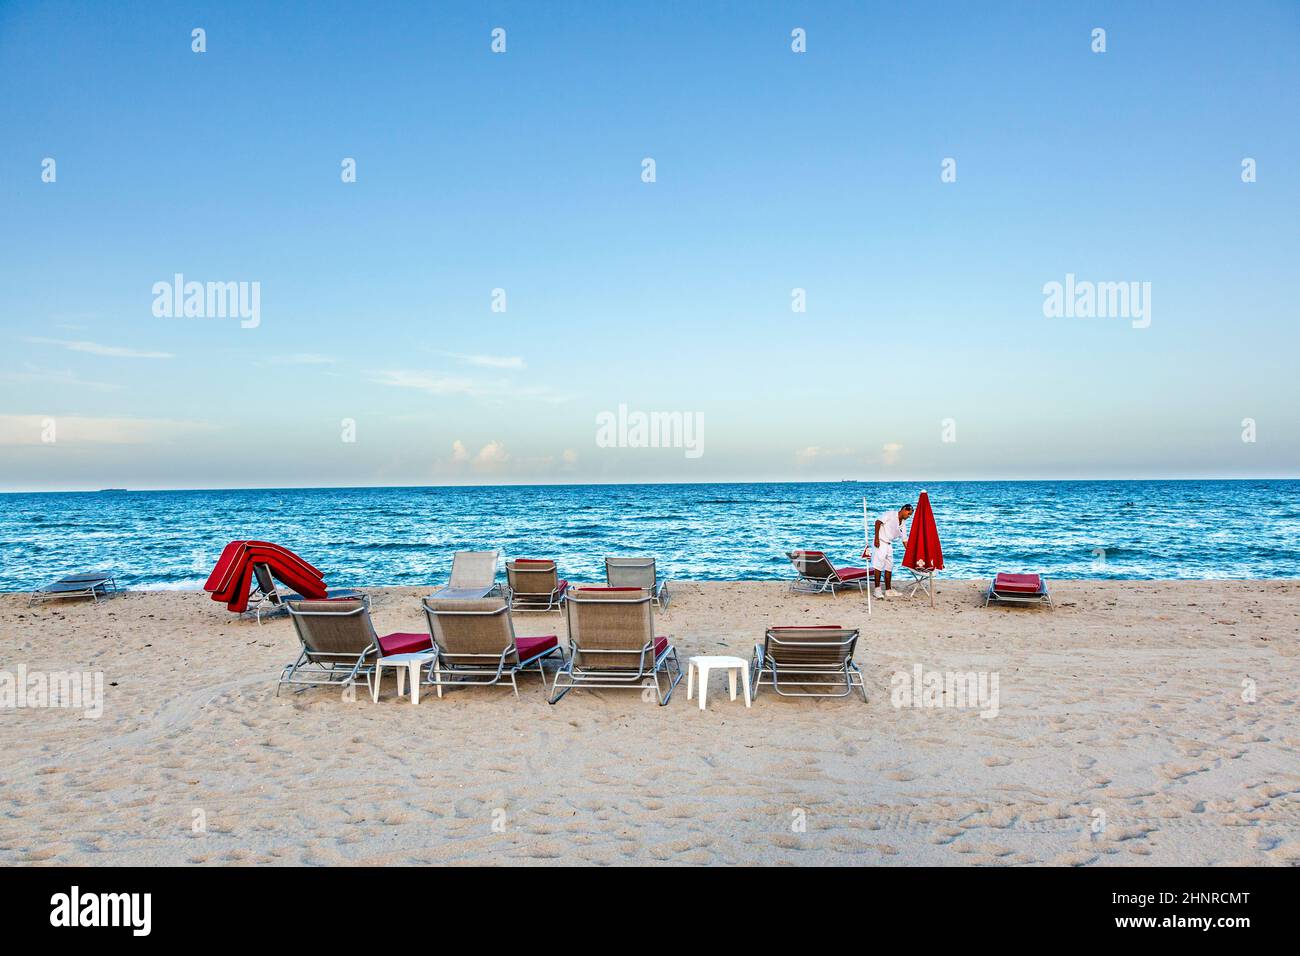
997	761
1075	858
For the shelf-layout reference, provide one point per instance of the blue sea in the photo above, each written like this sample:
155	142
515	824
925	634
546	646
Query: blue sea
371	537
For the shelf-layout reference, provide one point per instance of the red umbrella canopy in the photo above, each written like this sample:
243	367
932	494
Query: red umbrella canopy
924	552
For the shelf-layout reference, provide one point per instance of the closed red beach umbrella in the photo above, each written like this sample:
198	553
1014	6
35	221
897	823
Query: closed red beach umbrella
924	554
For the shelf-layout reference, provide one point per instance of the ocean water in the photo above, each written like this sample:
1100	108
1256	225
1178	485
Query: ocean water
371	537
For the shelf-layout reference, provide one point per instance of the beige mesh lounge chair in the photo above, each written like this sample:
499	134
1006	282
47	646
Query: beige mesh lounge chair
534	585
339	643
817	575
473	575
637	573
612	644
476	644
815	656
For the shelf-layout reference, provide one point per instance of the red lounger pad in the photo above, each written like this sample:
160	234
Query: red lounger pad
1019	583
806	627
231	579
851	574
532	646
236	554
404	643
225	563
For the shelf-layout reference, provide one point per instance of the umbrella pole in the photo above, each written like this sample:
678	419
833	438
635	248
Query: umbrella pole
866	547
931	589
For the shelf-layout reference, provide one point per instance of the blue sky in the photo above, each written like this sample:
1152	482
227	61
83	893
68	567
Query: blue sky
522	171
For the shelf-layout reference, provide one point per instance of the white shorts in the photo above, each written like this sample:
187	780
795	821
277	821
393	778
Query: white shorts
882	559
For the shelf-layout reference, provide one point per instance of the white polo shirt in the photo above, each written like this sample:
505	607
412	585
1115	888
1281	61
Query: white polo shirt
891	529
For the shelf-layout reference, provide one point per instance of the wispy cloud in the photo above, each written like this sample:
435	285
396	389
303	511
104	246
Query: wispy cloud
95	348
63	378
814	454
304	358
487	361
432	382
437	383
36	430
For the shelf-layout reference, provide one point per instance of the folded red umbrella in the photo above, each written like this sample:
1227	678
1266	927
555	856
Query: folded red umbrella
924	552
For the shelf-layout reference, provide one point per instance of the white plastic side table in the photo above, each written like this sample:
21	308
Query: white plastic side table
706	663
404	663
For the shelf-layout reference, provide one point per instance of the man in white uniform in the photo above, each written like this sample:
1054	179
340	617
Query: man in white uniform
889	528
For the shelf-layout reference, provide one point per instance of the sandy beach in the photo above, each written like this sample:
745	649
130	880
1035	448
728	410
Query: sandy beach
1125	705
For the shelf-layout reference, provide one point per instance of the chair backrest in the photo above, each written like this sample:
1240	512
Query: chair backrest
532	576
334	629
472	632
630	572
266	583
813	564
474	569
810	644
610	628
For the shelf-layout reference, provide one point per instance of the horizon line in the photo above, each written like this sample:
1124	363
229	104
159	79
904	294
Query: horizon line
591	484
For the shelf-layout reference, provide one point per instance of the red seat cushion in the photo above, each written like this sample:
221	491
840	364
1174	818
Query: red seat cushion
560	585
532	646
661	644
1018	583
404	643
851	574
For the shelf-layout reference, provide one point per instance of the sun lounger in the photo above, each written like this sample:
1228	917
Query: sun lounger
637	573
339	643
534	585
473	575
267	598
612	644
817	575
476	644
91	584
1018	589
812	656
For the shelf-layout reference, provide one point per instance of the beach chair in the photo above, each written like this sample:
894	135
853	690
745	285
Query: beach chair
612	644
91	584
476	644
267	598
637	573
339	643
812	656
1018	589
817	575
534	585
473	576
